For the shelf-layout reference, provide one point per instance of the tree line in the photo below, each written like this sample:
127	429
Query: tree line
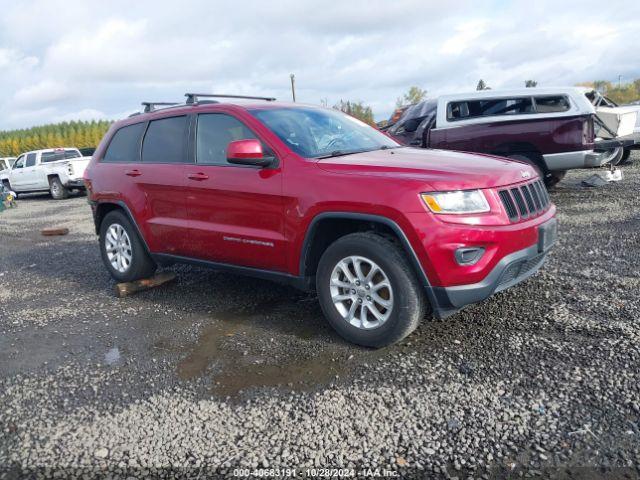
621	93
80	134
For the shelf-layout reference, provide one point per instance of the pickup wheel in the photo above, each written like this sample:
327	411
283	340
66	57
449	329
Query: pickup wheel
122	250
553	178
368	291
624	160
535	160
58	191
530	158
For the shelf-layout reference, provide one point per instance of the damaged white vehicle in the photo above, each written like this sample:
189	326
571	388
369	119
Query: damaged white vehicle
621	122
57	170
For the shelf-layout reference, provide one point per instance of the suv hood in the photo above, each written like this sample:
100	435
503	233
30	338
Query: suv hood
441	169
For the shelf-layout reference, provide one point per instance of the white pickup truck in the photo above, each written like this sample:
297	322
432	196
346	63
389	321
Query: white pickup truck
58	170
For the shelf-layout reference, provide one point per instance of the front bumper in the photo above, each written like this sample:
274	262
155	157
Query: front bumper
512	269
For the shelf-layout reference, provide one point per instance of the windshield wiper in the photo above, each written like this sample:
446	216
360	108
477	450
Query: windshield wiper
342	153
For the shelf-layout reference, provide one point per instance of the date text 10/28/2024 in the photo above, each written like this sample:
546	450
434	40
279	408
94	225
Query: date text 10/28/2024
315	473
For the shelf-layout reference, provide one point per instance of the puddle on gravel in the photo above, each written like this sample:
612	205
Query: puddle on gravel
112	356
226	350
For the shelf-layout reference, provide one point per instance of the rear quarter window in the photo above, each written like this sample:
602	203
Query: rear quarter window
125	144
552	104
165	141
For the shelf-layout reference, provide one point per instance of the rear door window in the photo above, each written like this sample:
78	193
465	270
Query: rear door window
165	141
125	144
31	160
552	104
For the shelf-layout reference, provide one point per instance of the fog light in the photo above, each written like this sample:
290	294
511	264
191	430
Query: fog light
469	255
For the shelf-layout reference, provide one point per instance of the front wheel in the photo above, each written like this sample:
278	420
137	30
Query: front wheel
58	191
368	291
7	185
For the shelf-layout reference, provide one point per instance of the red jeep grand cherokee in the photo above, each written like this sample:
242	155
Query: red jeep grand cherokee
316	198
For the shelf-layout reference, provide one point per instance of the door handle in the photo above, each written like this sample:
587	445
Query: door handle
133	173
198	176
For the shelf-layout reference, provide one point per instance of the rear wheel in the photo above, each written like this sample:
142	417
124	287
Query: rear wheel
58	191
122	250
554	177
368	291
531	158
624	160
536	161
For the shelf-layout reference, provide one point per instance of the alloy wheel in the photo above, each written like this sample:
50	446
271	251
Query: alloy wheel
118	247
361	292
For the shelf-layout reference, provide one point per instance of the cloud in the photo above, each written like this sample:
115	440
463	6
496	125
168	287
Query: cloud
64	58
42	93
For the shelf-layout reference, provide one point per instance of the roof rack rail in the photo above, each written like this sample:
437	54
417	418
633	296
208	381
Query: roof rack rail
151	106
193	97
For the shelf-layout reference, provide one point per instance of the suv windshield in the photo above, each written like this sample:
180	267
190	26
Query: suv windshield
315	132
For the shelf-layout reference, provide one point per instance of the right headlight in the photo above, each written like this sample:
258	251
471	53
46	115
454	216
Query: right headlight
456	202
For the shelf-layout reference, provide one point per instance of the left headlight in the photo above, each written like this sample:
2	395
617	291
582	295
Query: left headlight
457	202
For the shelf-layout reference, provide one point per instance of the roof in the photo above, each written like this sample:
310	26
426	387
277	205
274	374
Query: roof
204	105
45	150
517	92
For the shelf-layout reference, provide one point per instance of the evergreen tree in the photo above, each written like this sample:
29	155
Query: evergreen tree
78	134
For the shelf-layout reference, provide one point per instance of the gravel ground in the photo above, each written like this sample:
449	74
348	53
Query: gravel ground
214	372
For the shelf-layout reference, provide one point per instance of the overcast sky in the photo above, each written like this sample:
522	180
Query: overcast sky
75	59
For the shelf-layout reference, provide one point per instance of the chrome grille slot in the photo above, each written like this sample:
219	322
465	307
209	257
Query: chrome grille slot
522	207
527	196
509	206
526	200
534	195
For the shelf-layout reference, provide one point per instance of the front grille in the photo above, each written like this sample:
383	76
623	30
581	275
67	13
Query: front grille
526	200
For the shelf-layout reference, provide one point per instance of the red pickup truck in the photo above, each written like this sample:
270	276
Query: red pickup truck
309	196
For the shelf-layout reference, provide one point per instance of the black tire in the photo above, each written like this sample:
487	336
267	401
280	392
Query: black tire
141	264
533	159
536	161
409	302
624	160
57	190
553	178
7	185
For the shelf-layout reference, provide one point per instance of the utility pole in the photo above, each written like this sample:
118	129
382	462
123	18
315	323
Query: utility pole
619	81
293	86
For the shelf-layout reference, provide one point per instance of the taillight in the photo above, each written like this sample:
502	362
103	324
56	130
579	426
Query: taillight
588	131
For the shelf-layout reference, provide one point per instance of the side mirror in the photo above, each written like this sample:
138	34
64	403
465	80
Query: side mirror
247	152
